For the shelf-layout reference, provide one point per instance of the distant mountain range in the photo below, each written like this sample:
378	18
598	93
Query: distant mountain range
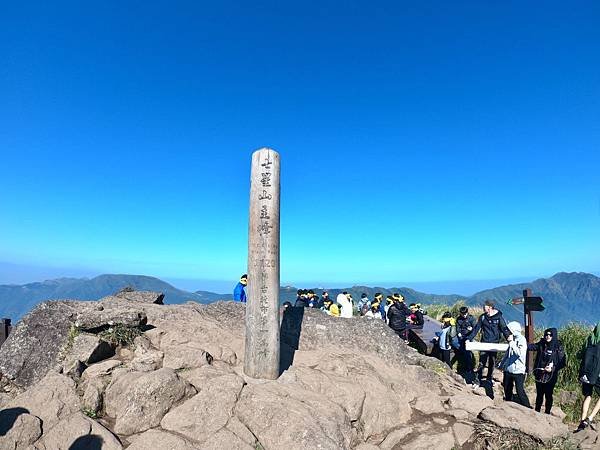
17	300
568	297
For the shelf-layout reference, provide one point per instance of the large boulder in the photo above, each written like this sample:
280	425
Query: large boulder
101	369
470	403
78	432
94	319
512	415
208	411
139	400
52	399
85	349
34	345
149	297
161	440
18	428
283	416
424	441
145	357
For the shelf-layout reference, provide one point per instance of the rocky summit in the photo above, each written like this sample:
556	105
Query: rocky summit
130	372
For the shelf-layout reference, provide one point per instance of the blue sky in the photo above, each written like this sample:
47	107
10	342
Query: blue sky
440	142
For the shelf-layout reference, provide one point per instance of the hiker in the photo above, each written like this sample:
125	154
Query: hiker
513	365
389	301
324	298
239	293
345	301
313	299
373	312
465	323
416	317
550	358
378	299
286	305
363	304
397	314
331	308
492	326
447	338
301	300
589	373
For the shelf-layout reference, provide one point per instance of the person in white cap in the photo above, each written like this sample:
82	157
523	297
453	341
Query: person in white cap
514	366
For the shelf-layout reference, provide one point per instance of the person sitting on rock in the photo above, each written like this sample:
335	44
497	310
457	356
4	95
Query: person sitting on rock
492	326
373	312
397	314
416	317
332	309
550	358
513	365
590	378
239	293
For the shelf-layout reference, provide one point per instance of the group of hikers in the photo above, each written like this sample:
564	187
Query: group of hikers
550	358
456	332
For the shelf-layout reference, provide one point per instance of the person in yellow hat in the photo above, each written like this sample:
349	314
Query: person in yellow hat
398	312
447	338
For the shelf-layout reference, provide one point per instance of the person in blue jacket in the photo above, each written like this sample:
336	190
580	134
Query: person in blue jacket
239	293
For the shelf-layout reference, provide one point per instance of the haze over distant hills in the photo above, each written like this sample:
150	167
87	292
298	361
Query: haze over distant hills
17	300
567	296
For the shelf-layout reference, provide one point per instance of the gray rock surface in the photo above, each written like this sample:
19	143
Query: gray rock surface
139	400
94	319
78	432
141	296
18	429
162	440
52	399
35	343
511	415
145	357
293	424
208	411
351	385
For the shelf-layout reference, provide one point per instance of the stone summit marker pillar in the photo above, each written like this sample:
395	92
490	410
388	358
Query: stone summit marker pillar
262	308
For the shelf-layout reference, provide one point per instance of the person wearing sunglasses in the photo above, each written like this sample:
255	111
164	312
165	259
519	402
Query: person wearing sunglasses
550	358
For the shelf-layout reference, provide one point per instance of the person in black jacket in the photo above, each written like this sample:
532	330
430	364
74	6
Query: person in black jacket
492	326
301	299
416	317
590	377
397	314
550	358
465	324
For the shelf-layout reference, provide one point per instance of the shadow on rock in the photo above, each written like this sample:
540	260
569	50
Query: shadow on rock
489	388
8	417
89	442
291	327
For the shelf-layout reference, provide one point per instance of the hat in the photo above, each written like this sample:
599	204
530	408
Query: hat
514	327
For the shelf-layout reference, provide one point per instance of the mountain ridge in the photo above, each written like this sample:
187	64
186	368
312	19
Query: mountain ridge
568	296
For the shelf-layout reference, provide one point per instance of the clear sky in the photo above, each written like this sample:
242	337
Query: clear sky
419	142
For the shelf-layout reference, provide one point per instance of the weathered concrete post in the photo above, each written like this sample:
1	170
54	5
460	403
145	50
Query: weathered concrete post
262	308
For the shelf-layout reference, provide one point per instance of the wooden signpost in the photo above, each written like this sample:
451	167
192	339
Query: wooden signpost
262	309
530	304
